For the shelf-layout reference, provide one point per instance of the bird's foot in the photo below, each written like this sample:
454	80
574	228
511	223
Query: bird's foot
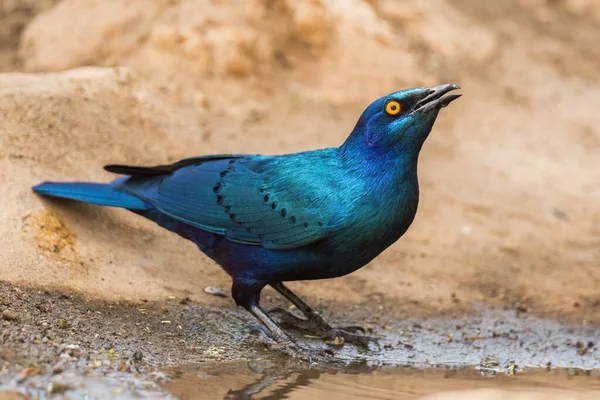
290	347
317	326
338	337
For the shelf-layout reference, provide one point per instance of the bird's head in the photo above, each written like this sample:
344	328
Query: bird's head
400	121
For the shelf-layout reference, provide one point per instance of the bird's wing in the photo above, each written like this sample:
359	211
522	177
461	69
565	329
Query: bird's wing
169	168
273	202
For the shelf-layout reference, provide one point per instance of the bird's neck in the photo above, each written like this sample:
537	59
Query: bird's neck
381	165
389	190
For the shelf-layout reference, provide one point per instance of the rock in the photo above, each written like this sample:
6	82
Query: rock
57	387
26	373
13	396
8	315
215	291
66	126
137	355
58	368
62	324
101	33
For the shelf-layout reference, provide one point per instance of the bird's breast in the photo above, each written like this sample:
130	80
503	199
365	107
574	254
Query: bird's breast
376	222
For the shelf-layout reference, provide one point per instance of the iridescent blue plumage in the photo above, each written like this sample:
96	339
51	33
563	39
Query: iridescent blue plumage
271	219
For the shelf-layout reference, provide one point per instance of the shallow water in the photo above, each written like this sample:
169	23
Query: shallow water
255	381
493	356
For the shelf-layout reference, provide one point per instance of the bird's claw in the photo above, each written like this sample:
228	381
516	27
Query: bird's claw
339	337
353	329
262	336
266	339
326	353
317	326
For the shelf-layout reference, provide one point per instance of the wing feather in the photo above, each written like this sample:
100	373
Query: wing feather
255	200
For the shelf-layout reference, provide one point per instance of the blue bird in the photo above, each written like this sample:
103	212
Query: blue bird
272	219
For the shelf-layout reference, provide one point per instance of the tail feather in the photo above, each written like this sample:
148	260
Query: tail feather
95	193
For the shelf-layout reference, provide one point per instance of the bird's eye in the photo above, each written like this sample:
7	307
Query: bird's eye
392	107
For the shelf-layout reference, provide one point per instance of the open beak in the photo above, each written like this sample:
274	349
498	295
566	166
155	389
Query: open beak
435	99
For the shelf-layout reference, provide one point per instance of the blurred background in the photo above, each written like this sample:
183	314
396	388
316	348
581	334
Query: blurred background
510	210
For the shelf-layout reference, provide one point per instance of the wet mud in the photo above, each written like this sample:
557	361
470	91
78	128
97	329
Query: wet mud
60	342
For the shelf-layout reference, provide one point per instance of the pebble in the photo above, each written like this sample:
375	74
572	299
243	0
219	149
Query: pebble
62	324
215	291
26	373
9	315
12	396
137	355
57	387
58	368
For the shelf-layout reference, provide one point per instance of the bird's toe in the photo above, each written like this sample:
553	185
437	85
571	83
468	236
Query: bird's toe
260	335
353	329
339	337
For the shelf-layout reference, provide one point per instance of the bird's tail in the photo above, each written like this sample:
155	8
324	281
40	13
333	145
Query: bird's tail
95	193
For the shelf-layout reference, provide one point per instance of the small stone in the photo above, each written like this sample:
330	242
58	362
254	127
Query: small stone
560	215
215	291
489	365
9	315
339	341
62	324
164	309
12	396
511	368
58	368
137	355
57	387
26	373
184	301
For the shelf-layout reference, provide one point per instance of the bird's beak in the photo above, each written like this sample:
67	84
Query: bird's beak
435	99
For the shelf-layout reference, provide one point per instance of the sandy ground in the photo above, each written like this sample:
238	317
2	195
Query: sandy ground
509	215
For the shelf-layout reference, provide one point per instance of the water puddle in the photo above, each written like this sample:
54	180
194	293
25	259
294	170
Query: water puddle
244	381
494	356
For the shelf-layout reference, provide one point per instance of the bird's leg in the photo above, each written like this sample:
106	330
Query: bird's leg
248	296
277	333
310	313
314	322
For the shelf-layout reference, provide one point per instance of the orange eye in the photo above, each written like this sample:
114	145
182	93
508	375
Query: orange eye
392	108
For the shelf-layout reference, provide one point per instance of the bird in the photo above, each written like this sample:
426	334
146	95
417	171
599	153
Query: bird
272	219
